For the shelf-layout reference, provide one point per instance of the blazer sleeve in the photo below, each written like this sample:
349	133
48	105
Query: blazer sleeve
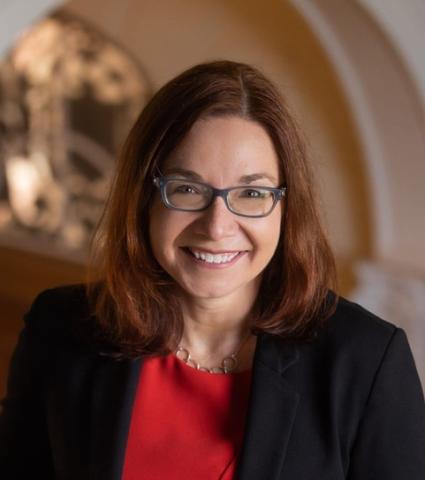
390	442
24	444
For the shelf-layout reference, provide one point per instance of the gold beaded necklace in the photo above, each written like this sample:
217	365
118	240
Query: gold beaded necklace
228	364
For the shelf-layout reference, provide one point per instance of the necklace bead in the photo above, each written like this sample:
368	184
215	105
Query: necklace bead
228	364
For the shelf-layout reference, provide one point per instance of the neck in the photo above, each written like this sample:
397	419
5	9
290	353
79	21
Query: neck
214	328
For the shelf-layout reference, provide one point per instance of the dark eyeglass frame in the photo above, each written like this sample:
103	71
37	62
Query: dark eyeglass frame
160	181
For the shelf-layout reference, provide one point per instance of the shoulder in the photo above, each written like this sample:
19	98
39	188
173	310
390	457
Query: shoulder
58	311
353	354
63	300
59	296
351	337
371	358
352	321
354	337
349	346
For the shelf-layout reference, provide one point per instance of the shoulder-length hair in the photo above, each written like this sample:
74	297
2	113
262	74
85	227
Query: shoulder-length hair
133	298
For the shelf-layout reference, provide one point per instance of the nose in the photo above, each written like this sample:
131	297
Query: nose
217	221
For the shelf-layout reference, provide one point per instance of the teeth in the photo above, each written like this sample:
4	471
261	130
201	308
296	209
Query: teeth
210	258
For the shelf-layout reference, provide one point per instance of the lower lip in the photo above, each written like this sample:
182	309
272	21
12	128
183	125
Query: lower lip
213	266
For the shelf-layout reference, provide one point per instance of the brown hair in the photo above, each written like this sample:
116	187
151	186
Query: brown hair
133	301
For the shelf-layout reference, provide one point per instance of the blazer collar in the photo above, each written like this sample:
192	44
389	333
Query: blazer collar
271	413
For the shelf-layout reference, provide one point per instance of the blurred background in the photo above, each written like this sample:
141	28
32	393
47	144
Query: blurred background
74	75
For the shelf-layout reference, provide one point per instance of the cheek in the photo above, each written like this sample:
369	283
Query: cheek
267	233
165	227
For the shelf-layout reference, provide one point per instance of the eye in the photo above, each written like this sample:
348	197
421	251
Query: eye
253	193
188	188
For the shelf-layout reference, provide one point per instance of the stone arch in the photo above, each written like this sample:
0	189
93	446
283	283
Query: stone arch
375	52
389	113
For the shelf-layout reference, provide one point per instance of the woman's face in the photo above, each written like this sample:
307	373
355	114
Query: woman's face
219	151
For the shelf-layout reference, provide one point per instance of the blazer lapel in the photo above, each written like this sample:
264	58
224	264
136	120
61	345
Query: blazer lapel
271	412
114	391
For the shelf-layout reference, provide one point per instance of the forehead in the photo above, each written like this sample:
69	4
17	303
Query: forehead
223	148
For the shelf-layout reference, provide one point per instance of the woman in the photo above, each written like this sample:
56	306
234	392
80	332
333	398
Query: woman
211	345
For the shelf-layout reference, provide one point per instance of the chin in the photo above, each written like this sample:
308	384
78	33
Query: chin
217	290
211	292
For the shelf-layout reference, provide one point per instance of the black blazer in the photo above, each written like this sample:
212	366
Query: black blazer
349	405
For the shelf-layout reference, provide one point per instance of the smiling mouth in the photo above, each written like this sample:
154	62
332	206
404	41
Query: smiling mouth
213	258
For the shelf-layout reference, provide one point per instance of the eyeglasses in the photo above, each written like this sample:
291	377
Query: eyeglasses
189	196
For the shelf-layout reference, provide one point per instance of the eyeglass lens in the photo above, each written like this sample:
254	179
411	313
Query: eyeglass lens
194	196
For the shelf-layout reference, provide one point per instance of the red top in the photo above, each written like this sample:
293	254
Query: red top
186	423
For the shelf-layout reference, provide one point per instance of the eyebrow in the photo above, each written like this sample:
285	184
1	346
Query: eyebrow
245	179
